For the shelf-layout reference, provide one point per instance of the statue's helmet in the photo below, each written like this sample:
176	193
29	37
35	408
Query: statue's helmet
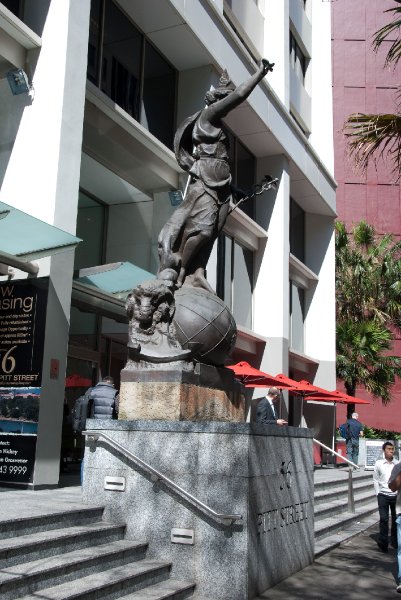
221	91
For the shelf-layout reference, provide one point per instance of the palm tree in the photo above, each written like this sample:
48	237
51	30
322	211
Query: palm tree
368	309
368	276
361	358
373	136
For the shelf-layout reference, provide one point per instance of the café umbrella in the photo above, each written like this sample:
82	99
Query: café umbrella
337	396
304	389
252	377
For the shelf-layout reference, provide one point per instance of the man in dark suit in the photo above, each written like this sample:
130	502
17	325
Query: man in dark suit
266	413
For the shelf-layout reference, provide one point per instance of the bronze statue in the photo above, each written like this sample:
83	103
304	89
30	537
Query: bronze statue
165	327
201	148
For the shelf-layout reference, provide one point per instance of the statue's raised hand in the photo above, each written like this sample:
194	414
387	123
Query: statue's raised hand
266	66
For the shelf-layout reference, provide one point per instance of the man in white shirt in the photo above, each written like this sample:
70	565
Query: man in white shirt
385	497
395	486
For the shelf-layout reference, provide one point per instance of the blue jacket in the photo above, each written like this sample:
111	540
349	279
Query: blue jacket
355	428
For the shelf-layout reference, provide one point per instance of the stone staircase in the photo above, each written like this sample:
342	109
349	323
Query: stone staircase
73	554
334	524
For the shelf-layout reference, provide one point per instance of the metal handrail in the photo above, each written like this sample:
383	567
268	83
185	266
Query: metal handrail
351	499
227	519
336	453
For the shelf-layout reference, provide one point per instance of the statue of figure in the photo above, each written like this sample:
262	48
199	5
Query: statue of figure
201	148
151	334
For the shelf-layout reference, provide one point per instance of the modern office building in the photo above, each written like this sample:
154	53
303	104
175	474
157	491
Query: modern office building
362	84
88	150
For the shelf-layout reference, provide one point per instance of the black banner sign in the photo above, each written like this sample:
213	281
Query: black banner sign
22	331
17	458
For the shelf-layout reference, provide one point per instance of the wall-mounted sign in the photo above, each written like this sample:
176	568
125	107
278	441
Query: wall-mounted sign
374	451
22	331
17	458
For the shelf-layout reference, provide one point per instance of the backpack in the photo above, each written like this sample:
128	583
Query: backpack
80	412
344	431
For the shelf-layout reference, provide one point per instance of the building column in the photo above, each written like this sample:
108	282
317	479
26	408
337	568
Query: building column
320	329
42	179
271	293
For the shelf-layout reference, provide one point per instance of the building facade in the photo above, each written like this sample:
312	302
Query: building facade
89	150
365	86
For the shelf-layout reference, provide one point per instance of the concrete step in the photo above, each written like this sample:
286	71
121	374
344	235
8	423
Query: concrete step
340	478
341	521
109	584
178	590
333	523
339	491
347	530
36	575
43	544
340	505
10	528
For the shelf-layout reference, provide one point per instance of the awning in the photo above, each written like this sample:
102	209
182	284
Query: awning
29	238
115	278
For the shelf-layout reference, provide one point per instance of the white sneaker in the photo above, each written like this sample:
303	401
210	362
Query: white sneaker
398	588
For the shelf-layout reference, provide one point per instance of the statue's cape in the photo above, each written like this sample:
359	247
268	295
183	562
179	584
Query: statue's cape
183	145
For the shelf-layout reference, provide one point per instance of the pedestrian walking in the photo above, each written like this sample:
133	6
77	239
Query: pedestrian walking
395	486
386	498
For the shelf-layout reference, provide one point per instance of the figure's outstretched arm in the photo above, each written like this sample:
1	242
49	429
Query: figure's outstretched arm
222	107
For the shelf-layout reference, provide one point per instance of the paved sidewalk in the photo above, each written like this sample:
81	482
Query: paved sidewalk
17	504
357	569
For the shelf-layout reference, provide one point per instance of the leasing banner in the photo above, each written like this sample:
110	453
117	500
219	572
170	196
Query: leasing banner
22	331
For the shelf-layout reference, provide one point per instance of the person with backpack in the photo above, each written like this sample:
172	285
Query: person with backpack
352	430
103	399
99	402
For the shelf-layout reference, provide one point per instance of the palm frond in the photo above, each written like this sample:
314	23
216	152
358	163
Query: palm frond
372	136
394	53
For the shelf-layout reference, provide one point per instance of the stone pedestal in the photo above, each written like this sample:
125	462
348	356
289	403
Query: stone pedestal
206	394
264	473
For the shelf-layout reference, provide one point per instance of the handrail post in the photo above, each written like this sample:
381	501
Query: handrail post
351	499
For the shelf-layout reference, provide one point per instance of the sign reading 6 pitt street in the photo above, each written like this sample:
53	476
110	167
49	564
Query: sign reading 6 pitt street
22	331
284	514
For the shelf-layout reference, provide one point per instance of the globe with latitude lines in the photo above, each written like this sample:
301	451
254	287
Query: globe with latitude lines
204	325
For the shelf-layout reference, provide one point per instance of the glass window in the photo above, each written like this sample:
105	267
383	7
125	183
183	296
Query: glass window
158	100
127	68
297	231
14	6
94	41
90	228
298	60
121	60
243	170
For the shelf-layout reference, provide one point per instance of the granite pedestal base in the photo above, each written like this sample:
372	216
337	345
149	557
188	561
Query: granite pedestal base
264	473
206	394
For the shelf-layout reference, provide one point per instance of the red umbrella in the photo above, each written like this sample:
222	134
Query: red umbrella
252	377
337	396
303	388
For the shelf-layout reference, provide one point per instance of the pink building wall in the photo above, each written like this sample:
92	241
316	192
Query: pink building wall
362	84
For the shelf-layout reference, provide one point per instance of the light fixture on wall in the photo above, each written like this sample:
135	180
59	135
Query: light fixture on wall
18	82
